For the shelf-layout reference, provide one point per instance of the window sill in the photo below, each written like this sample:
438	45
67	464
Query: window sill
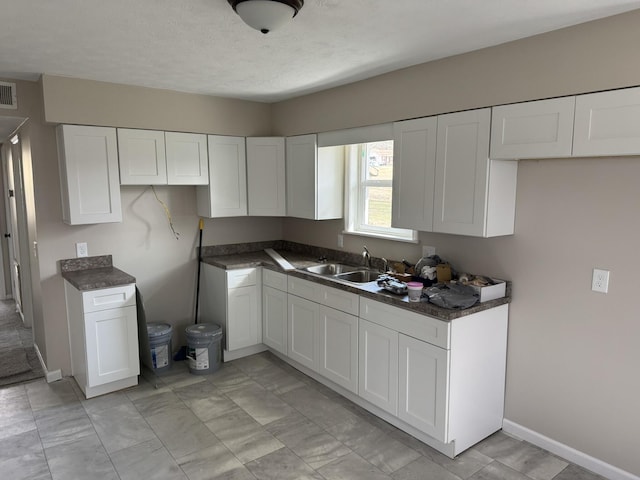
379	235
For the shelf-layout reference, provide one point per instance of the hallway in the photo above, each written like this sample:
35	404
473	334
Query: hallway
18	359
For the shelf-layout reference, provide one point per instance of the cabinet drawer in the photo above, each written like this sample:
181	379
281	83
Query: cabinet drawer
339	299
422	327
274	279
304	288
106	298
244	277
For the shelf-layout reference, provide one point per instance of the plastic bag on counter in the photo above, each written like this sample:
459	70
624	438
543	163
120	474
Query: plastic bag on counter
451	295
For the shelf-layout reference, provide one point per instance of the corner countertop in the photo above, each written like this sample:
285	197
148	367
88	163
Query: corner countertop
369	290
92	273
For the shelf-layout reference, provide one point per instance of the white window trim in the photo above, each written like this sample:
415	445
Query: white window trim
354	202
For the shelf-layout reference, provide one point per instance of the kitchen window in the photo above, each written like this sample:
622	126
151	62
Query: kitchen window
368	191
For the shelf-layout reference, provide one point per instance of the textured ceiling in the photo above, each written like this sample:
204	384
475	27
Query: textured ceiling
202	46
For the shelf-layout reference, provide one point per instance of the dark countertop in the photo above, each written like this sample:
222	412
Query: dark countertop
368	290
92	273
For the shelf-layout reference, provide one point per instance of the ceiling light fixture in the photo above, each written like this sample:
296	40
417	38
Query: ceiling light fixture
266	15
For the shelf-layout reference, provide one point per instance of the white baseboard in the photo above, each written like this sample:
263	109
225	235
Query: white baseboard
568	453
49	376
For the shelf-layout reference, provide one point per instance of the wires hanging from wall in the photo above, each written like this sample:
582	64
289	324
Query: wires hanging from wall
167	213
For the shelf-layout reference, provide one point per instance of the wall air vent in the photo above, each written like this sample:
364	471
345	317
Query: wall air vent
8	98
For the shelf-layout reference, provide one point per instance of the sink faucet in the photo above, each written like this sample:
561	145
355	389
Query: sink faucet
366	256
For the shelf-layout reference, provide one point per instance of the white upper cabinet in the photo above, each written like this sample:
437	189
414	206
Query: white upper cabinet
187	160
149	157
90	184
266	176
226	192
142	157
473	196
315	179
607	123
541	129
414	166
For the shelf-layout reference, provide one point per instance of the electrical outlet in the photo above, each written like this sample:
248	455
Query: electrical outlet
340	240
600	281
427	251
82	250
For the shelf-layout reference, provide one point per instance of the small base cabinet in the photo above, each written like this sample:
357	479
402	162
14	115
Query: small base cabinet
233	300
103	335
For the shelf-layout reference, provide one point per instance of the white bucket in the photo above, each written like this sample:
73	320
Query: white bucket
204	351
160	345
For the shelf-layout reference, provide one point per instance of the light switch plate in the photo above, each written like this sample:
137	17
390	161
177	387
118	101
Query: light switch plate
427	251
82	250
600	280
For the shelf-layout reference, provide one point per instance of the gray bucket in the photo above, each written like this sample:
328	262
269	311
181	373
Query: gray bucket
204	352
160	345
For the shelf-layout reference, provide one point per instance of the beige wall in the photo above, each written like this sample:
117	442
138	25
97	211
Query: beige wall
573	354
87	102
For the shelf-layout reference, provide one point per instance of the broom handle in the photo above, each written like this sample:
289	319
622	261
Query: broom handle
200	226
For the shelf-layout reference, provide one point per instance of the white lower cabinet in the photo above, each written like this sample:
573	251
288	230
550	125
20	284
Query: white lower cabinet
442	381
233	300
378	365
274	319
338	352
303	331
103	336
323	331
423	386
274	310
244	327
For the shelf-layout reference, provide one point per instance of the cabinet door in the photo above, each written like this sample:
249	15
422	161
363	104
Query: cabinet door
226	194
111	345
187	159
414	169
266	176
338	338
142	157
302	160
378	366
462	169
315	179
244	325
542	129
607	123
274	319
423	386
89	176
302	339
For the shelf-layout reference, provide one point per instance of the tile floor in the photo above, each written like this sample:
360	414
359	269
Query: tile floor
256	418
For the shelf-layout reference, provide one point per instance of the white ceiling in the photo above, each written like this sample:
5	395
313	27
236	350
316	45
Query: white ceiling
202	46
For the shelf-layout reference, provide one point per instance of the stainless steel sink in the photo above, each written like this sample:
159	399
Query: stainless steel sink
359	276
330	269
345	273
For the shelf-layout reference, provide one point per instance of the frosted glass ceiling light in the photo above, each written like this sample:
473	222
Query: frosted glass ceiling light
266	15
